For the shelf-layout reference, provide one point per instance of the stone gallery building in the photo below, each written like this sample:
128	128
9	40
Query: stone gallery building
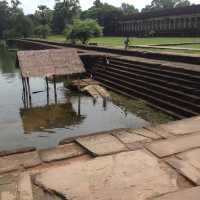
183	21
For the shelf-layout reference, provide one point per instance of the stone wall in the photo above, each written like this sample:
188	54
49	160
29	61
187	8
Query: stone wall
169	22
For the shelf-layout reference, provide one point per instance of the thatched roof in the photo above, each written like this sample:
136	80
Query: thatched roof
50	62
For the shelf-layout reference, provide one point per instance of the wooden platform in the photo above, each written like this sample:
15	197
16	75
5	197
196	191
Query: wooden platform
90	86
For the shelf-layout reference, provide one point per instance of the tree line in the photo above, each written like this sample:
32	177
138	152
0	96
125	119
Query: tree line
67	16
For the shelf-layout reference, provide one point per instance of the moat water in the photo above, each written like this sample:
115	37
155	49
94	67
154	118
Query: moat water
44	125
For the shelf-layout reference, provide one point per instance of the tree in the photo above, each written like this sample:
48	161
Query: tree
162	4
43	15
83	30
4	15
128	9
106	15
42	31
19	25
64	13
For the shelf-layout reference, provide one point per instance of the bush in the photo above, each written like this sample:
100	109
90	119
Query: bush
83	30
42	31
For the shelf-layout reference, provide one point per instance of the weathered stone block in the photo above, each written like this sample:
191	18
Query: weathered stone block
62	152
102	144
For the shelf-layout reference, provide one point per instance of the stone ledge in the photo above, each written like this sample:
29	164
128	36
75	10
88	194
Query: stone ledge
61	152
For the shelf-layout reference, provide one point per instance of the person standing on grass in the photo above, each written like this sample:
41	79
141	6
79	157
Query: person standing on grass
126	42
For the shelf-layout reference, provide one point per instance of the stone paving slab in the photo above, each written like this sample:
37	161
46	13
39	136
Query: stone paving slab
14	162
187	170
146	133
163	133
188	164
132	140
127	175
61	152
188	194
8	192
103	144
192	157
175	145
185	126
25	187
128	138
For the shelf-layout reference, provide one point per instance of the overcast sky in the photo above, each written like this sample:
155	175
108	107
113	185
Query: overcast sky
30	6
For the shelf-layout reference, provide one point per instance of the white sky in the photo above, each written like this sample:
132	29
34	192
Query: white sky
30	6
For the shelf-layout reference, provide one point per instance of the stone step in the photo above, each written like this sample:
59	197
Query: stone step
164	93
175	145
155	101
103	144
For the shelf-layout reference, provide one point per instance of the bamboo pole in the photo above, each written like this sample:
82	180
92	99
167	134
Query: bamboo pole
29	91
47	84
55	90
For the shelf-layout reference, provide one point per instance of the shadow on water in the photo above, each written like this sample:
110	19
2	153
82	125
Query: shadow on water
44	124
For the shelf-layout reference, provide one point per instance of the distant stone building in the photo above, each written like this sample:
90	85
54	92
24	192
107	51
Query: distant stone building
183	21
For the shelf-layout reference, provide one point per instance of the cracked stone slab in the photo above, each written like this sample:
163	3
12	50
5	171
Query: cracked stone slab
159	130
146	133
8	192
127	175
25	187
132	140
188	164
185	168
185	126
187	194
175	145
103	144
14	162
192	157
62	152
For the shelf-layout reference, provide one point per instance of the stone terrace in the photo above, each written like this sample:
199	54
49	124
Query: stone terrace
152	163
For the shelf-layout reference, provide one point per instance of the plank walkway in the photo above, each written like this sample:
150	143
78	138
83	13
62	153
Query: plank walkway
151	163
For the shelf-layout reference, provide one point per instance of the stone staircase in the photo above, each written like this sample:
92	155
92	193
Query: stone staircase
174	90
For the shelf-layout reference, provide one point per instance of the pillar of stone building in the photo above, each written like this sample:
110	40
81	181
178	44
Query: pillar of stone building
198	23
182	24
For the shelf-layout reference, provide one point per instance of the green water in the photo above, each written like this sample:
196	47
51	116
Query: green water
44	125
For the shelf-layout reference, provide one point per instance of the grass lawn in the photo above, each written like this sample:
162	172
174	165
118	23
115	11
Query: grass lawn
119	42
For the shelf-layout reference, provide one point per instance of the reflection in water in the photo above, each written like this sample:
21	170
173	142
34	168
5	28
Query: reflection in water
49	117
7	62
73	115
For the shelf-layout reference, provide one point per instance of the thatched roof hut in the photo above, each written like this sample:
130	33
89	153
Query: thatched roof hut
50	62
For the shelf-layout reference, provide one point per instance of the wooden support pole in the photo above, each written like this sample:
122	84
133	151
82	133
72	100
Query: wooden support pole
79	105
23	93
26	92
29	91
55	90
47	84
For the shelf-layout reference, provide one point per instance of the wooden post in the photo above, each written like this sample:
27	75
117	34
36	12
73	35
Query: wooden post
47	84
55	91
26	93
29	91
79	105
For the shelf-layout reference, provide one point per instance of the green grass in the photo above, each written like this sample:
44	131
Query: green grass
141	109
194	46
118	42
